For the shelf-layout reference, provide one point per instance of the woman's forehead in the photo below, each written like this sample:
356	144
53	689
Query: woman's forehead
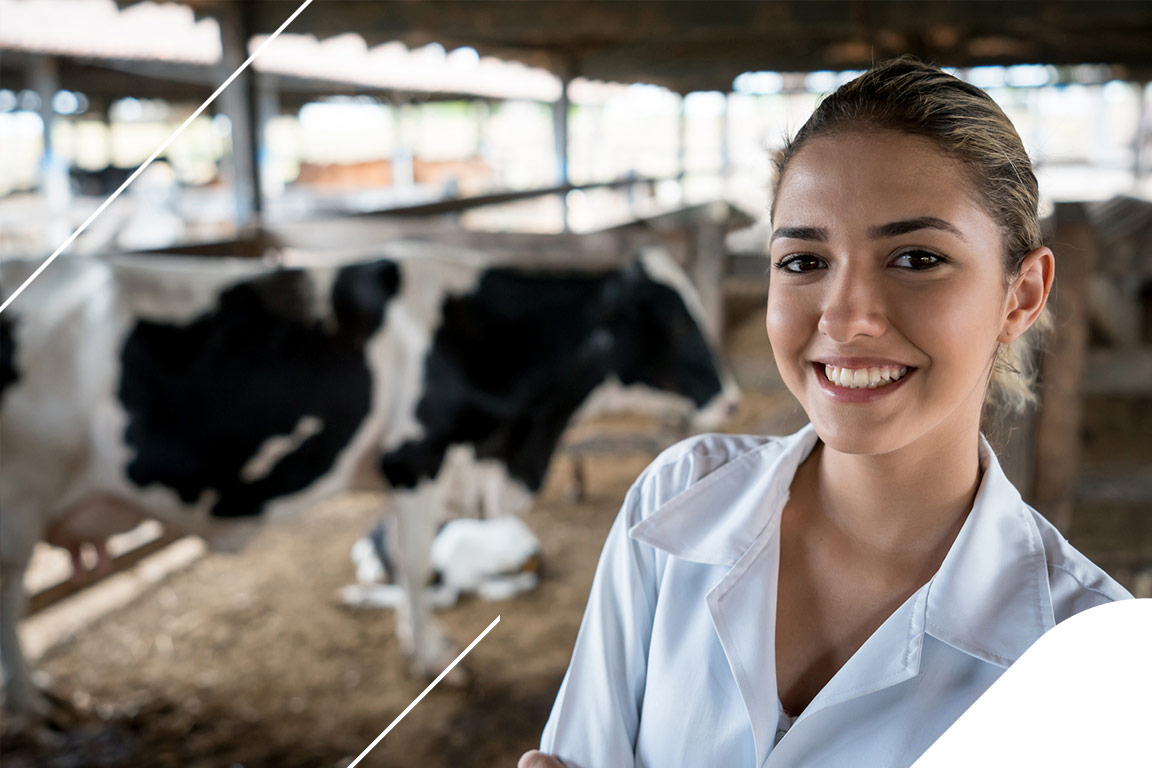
866	179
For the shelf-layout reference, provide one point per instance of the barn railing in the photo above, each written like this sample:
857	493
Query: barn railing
127	550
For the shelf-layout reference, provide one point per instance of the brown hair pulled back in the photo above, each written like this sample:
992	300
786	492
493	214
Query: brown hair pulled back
964	122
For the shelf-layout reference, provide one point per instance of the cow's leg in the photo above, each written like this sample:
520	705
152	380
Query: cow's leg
579	491
21	697
416	512
76	552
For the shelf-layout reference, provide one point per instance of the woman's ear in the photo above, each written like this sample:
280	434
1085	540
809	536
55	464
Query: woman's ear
1028	294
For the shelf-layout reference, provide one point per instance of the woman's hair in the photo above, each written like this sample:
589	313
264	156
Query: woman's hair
964	122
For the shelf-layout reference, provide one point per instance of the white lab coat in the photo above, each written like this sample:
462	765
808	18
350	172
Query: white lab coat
674	664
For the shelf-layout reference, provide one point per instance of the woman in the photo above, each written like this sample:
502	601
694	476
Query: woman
841	595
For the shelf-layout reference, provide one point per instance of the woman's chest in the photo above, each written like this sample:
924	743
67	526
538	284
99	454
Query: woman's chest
823	616
830	597
710	691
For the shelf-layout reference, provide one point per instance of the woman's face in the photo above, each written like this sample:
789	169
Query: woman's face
887	275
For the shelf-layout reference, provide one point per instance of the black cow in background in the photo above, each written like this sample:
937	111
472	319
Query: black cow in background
214	395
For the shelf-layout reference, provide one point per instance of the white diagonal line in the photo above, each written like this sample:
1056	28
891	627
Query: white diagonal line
424	693
155	154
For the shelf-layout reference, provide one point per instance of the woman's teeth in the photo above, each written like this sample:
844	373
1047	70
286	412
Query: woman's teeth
861	378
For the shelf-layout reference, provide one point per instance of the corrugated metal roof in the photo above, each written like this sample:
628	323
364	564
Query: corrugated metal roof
169	32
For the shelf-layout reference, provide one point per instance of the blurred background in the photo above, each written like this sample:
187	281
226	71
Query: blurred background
518	127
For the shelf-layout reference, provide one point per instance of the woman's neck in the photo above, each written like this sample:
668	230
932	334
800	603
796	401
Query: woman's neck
901	509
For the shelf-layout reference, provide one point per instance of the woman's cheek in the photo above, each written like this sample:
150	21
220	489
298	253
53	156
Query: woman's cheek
957	315
789	328
776	321
787	308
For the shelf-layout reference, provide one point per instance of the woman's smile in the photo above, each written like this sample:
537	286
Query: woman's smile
861	385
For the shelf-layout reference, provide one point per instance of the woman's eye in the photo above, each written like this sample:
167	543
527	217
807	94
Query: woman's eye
799	264
918	260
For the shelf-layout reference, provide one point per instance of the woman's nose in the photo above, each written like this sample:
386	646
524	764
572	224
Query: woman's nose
854	307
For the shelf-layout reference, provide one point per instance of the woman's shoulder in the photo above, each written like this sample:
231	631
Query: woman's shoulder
1076	583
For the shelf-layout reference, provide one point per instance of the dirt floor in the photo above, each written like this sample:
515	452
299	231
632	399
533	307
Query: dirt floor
248	660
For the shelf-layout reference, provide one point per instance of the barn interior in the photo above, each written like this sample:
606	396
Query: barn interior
548	133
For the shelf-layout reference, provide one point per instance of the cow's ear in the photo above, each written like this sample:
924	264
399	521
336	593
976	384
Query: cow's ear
361	294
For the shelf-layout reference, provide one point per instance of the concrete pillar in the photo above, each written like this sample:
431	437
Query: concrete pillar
55	184
560	137
682	140
482	114
567	70
560	132
725	147
1143	134
238	103
267	109
709	266
403	167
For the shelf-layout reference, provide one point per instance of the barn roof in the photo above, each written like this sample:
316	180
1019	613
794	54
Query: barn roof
161	50
704	45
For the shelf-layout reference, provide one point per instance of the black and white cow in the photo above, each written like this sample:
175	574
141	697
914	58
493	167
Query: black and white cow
214	394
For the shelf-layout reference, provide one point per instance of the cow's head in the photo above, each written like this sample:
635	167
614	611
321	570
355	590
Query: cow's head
662	360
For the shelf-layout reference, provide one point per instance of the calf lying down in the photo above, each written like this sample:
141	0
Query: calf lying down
495	559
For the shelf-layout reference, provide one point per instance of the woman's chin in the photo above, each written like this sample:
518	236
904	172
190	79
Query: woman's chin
855	437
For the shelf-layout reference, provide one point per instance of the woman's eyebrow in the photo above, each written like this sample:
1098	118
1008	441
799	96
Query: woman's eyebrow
895	228
800	233
878	232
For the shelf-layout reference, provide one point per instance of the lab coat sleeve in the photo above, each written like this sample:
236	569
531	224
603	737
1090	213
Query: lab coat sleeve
596	715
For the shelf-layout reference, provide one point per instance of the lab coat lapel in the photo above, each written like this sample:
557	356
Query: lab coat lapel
743	609
888	657
732	517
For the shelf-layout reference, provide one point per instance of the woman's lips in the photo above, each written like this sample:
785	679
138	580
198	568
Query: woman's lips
857	395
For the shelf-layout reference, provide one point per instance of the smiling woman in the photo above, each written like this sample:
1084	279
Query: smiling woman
841	595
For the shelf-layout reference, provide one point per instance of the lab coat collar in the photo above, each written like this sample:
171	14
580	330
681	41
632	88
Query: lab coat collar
989	598
717	519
